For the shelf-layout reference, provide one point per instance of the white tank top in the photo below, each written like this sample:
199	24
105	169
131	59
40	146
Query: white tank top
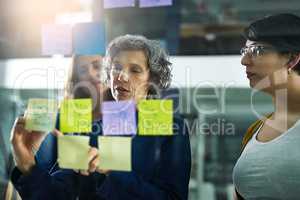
270	170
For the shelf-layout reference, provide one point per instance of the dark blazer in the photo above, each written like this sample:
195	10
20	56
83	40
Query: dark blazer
160	170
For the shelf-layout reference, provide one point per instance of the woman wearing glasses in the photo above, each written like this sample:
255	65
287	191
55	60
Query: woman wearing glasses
268	167
160	165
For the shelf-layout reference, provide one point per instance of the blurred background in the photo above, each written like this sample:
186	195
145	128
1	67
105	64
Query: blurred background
209	85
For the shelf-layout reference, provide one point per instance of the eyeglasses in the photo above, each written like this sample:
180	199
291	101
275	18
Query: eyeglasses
256	50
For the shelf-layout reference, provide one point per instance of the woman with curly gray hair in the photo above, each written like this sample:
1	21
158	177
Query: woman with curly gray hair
140	65
139	69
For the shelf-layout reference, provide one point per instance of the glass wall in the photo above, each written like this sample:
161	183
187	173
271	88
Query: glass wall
196	28
188	27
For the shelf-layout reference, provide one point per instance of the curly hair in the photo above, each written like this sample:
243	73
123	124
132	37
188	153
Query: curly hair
157	59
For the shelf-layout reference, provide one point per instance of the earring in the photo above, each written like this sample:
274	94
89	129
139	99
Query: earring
289	70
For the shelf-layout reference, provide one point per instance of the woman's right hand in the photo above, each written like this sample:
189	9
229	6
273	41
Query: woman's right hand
25	144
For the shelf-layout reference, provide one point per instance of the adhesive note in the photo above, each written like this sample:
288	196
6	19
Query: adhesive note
76	116
73	152
89	39
118	3
155	3
56	39
119	118
155	117
41	115
115	153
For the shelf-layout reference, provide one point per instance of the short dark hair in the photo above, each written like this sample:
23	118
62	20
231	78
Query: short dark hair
282	31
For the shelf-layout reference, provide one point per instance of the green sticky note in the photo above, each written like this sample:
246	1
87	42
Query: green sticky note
76	116
115	153
41	115
155	117
73	152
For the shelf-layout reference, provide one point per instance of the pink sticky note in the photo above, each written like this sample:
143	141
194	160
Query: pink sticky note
119	118
118	3
56	39
154	3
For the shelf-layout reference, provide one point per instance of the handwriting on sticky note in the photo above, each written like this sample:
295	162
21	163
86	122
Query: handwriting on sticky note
119	118
115	153
73	152
76	116
41	115
155	3
155	117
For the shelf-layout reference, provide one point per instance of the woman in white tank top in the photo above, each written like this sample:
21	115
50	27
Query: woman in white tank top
269	166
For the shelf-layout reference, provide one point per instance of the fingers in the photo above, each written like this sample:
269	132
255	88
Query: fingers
84	172
94	164
17	129
93	159
20	120
92	153
103	171
57	133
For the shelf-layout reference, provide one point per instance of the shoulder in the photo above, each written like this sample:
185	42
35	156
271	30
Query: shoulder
251	130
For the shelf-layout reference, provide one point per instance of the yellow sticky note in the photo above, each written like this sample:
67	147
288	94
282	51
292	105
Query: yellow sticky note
41	115
76	116
115	153
155	117
73	152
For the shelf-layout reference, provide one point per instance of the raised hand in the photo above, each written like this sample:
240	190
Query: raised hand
24	145
94	160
